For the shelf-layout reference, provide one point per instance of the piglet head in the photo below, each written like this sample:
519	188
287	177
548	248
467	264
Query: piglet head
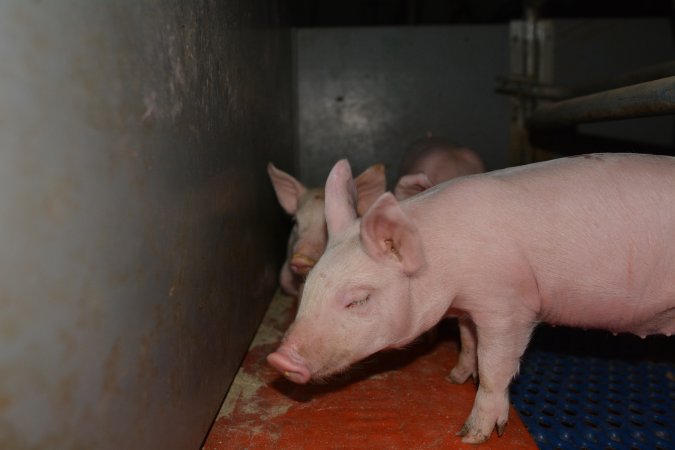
356	300
411	184
308	238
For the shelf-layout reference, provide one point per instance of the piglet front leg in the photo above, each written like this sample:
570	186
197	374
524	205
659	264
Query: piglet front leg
467	363
501	343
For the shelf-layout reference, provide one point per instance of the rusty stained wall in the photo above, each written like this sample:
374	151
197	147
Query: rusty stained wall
138	229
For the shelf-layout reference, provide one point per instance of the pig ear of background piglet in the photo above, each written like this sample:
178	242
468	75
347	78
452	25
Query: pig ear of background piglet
387	234
369	186
412	184
287	188
340	204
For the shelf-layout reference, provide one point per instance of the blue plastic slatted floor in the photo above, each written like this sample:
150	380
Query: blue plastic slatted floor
590	390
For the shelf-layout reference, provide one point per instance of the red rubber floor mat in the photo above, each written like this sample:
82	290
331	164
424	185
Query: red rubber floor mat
394	400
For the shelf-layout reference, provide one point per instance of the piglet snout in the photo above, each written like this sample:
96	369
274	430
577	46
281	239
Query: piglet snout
301	264
290	364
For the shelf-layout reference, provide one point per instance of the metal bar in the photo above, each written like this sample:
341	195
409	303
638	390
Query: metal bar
514	85
521	86
649	73
653	98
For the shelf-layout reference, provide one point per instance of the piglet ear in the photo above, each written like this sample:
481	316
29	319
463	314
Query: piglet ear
388	234
340	198
412	184
288	189
369	186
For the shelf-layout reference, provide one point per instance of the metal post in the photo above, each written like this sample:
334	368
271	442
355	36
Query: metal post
531	51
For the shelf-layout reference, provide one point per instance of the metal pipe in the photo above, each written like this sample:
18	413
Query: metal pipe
649	73
514	85
652	98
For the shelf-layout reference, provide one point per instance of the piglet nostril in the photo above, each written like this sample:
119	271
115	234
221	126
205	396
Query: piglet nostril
291	368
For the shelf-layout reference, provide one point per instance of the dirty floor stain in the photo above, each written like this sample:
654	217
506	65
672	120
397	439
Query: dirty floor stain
394	400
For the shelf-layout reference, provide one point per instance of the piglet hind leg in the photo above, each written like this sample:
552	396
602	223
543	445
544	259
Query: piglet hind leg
501	343
467	363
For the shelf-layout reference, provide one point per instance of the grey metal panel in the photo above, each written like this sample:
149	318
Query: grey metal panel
365	93
138	229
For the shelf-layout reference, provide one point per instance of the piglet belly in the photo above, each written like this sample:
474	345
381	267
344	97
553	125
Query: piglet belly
644	307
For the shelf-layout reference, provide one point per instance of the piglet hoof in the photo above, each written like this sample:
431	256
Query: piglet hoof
459	375
470	436
463	431
501	428
473	435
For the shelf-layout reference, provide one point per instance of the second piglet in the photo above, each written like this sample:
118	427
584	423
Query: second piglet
307	240
432	160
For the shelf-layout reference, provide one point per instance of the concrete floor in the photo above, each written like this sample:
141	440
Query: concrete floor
394	400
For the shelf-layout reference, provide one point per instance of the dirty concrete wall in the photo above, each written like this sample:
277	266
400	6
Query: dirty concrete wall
138	228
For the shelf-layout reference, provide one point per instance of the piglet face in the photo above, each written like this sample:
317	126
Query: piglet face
309	234
351	308
356	300
308	238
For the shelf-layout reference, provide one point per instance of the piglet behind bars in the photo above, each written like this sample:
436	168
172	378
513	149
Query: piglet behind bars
586	242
